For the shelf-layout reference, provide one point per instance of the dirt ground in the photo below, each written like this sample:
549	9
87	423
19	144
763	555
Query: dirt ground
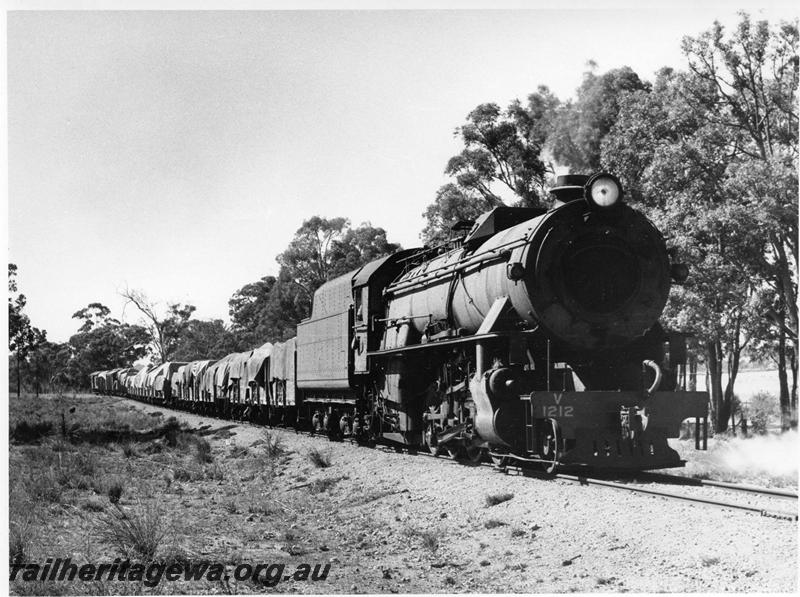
395	522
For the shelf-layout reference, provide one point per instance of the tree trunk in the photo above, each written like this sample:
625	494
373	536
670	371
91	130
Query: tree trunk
722	411
785	400
19	380
793	360
733	371
692	372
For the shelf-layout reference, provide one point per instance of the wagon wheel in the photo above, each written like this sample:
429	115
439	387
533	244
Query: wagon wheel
548	442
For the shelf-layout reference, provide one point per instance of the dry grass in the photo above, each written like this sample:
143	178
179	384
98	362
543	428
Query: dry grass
319	458
498	498
323	485
24	534
272	445
136	533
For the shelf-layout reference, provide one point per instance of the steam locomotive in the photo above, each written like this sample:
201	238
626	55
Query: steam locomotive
535	336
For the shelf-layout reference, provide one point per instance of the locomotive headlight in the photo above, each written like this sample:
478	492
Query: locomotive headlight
603	190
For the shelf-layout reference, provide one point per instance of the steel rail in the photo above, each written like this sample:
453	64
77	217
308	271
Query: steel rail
677	496
784	493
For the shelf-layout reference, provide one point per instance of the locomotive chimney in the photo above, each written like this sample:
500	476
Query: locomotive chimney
569	187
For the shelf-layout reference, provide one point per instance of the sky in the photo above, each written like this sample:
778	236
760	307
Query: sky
177	152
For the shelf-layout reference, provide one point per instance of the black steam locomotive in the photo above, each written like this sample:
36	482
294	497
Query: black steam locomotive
534	337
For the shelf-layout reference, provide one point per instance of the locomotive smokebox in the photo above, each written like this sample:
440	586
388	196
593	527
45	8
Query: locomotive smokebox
595	279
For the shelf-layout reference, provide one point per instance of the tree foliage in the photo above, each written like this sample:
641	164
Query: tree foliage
269	309
165	328
502	155
580	126
711	154
452	205
207	339
104	344
23	338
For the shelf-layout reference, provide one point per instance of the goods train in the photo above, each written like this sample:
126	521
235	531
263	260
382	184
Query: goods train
535	336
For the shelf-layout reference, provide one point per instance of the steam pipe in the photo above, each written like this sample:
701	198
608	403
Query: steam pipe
647	363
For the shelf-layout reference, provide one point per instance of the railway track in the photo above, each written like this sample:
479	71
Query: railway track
635	482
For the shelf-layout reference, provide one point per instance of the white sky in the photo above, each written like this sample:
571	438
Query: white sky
178	152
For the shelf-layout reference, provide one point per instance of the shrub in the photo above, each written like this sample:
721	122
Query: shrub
498	498
128	450
321	485
115	492
181	474
23	534
44	486
238	452
137	532
319	458
272	445
231	507
202	450
28	433
762	407
429	540
93	504
77	470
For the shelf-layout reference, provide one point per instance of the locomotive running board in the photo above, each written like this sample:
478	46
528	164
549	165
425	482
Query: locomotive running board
441	343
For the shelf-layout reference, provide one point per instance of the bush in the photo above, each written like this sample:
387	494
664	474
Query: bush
115	492
762	407
135	533
202	450
93	504
321	485
498	498
23	534
319	458
28	433
44	486
429	540
272	445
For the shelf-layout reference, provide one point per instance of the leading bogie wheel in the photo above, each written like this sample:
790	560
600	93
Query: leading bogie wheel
473	454
431	442
549	442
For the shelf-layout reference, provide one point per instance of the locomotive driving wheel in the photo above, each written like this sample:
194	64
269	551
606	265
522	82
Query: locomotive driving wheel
549	440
